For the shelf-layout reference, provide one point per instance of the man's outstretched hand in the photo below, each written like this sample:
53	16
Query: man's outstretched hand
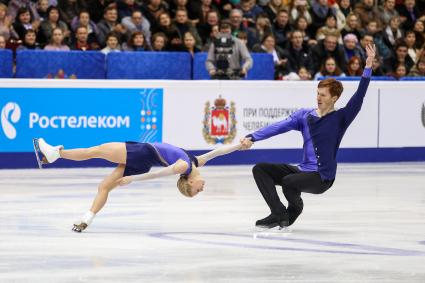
371	53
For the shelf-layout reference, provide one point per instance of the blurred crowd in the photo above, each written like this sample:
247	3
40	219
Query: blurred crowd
307	39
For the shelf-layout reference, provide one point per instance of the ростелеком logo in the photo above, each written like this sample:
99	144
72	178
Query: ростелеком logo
14	111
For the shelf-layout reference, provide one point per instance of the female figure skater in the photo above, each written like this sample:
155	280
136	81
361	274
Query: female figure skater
134	163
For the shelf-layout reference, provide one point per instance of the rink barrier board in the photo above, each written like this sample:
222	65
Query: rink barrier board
389	128
20	160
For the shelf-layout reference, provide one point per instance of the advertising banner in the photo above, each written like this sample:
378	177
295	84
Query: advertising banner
79	117
205	115
402	116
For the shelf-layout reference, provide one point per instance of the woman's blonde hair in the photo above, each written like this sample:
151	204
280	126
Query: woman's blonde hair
184	186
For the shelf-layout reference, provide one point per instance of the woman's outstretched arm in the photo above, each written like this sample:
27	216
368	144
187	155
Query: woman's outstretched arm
225	149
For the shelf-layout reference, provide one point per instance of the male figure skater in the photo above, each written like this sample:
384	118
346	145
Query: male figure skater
322	129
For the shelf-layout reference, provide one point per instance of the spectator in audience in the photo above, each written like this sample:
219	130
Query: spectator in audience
272	8
377	70
236	22
302	75
42	6
2	42
224	7
201	10
56	41
239	61
15	5
5	22
401	57
180	4
204	29
183	26
419	69
81	41
329	68
136	22
23	22
387	11
69	9
213	36
166	27
329	28
112	43
84	20
319	12
281	28
109	24
367	11
250	11
136	42
410	39
352	26
327	47
262	28
354	67
419	29
159	41
399	71
379	38
97	8
300	9
297	52
301	25
268	45
243	36
50	23
342	10
30	41
126	8
152	9
392	31
189	43
408	14
351	47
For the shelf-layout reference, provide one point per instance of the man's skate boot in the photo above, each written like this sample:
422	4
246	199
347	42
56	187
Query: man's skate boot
294	211
273	220
49	154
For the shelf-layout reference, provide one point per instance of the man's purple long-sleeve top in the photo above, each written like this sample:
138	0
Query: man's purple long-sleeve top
322	135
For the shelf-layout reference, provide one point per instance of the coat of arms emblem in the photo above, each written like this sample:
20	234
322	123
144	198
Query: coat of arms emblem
219	122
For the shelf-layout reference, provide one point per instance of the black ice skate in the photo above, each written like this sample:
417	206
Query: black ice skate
272	221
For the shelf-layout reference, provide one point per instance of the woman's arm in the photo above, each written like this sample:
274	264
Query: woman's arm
177	168
225	149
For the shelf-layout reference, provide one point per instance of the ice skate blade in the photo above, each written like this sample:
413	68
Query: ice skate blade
36	151
263	231
79	228
41	161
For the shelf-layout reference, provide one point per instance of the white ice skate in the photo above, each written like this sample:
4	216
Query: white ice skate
49	154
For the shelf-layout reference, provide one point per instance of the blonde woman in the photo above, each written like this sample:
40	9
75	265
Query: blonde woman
134	160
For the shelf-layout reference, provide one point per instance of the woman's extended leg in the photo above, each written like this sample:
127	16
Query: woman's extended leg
107	185
115	152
